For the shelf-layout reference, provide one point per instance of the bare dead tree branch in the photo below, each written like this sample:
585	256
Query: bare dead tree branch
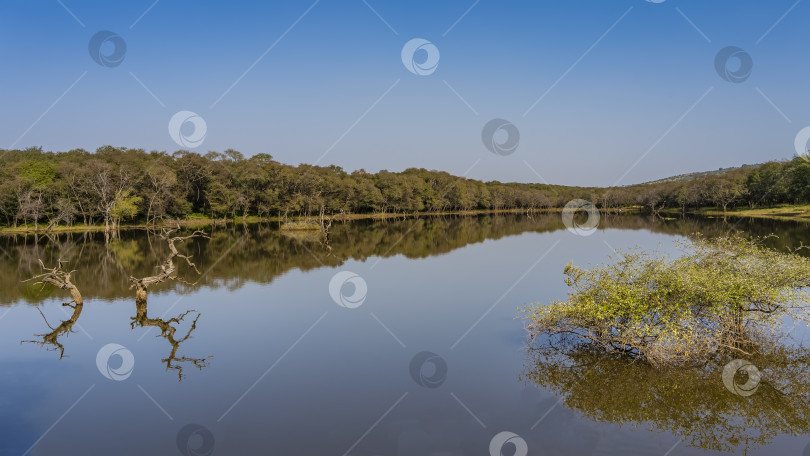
168	268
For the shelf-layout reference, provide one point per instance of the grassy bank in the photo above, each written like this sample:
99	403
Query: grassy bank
199	222
783	212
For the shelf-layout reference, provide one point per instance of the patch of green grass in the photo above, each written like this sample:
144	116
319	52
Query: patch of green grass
300	225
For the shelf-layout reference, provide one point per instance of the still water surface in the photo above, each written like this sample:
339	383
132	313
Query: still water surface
265	361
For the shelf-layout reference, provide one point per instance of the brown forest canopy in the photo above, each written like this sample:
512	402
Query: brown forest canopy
115	184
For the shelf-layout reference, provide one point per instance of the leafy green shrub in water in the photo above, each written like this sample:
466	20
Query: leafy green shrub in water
727	294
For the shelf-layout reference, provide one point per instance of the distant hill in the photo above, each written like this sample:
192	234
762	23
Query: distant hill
693	176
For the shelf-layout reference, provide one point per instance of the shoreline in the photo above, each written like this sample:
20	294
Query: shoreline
785	213
201	222
797	213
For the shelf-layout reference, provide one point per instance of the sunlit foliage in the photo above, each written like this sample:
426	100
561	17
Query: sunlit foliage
728	294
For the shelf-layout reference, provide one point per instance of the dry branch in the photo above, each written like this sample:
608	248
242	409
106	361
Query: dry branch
168	267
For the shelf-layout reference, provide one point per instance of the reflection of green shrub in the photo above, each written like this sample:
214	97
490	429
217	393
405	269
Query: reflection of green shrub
35	292
720	295
689	402
128	253
298	225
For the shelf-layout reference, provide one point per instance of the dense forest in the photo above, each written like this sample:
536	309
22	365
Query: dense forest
131	185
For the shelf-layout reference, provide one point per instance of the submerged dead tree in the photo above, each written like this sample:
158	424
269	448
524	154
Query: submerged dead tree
168	268
61	279
168	328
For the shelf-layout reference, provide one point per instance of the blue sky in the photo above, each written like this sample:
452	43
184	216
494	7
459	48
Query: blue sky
631	89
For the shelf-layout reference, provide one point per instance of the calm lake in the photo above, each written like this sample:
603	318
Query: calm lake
393	338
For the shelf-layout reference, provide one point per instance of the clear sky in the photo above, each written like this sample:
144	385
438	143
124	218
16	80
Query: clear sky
600	91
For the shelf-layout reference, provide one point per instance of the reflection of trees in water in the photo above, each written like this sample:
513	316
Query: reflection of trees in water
690	402
265	252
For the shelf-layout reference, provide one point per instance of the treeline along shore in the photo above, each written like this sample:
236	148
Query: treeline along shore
40	190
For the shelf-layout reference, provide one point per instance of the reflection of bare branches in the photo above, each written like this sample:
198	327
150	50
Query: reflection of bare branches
61	279
168	271
167	331
52	338
325	225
